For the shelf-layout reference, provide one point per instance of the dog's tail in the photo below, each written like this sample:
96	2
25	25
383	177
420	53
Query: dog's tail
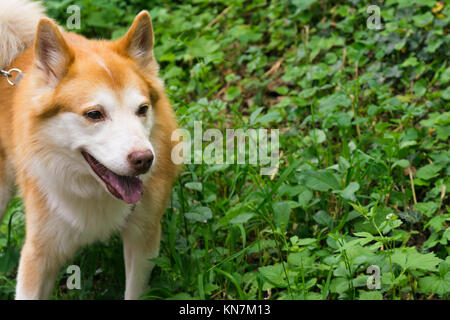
18	23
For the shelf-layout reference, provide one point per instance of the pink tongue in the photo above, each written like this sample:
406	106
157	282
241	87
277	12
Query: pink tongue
129	189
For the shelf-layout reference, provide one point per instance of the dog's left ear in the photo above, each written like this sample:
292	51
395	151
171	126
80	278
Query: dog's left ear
138	42
51	52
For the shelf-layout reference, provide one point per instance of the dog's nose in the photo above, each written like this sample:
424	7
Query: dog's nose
141	161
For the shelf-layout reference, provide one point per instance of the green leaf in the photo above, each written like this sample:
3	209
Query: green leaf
305	197
445	76
435	284
182	296
281	213
349	192
199	214
339	285
302	259
331	102
420	88
446	93
428	172
203	47
242	218
302	242
343	164
272	116
401	163
437	222
9	258
323	218
232	93
421	20
274	274
318	136
367	237
370	295
444	268
303	4
197	186
414	260
255	115
322	180
411	61
427	208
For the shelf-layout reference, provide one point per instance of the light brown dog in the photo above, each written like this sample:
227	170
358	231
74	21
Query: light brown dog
86	135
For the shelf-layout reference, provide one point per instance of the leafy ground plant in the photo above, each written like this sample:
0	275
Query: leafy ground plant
359	206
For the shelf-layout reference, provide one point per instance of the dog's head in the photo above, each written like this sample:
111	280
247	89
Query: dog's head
96	102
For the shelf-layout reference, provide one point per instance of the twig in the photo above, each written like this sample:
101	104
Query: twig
412	185
443	191
224	12
305	40
344	56
274	68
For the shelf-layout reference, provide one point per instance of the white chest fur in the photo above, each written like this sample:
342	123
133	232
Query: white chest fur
81	211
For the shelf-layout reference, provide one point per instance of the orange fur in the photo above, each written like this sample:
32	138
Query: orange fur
27	108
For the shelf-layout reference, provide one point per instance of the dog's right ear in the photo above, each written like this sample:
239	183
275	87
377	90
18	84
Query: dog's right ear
138	41
51	52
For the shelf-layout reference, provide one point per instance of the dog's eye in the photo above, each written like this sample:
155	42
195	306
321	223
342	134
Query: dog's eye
142	111
94	115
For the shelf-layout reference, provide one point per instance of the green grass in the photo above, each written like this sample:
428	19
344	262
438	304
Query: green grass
363	180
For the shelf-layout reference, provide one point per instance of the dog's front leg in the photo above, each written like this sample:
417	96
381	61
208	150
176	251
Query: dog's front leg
47	246
38	270
141	238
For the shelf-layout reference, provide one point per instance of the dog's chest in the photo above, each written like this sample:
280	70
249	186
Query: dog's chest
90	220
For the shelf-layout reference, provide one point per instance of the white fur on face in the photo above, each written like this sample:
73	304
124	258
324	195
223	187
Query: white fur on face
109	141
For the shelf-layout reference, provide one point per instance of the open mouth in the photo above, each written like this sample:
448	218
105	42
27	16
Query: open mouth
128	189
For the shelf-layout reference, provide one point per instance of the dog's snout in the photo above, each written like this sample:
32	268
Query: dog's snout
141	161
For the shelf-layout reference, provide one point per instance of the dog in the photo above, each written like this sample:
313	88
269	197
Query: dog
86	138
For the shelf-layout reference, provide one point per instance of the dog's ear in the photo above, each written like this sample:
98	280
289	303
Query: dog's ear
138	42
51	52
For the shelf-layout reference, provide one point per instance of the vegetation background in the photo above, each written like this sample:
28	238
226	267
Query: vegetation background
364	128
